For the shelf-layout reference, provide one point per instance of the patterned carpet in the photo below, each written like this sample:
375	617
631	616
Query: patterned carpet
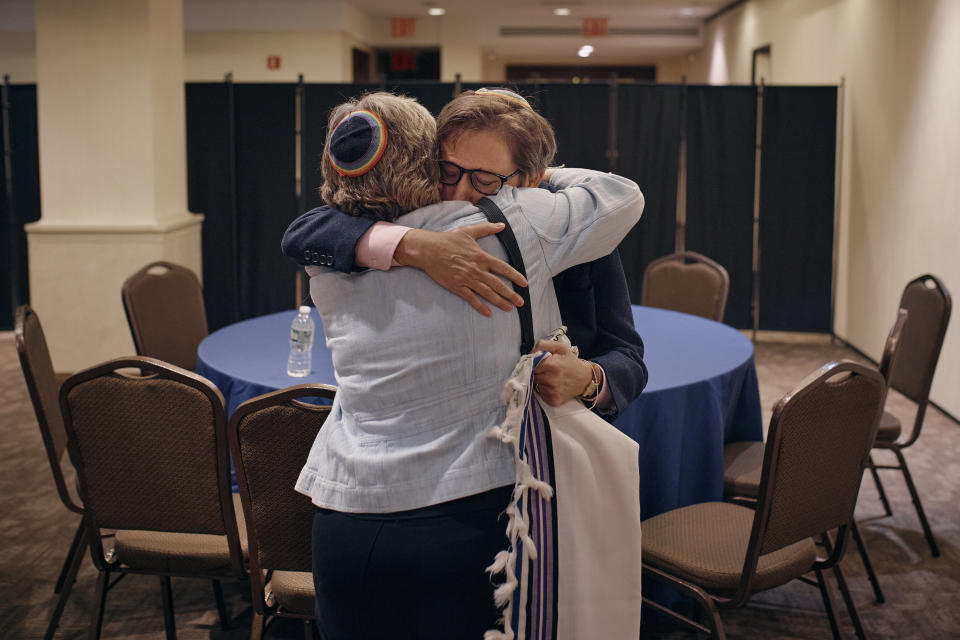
921	591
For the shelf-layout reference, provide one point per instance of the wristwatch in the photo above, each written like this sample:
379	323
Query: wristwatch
592	389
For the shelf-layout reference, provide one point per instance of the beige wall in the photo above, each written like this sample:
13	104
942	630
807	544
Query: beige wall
18	56
321	56
465	60
899	212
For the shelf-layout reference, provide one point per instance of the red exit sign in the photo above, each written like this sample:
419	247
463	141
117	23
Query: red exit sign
594	26
273	62
402	26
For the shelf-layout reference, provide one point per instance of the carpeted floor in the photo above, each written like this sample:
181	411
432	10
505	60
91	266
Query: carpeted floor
921	591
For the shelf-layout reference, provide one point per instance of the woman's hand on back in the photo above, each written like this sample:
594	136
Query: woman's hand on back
455	261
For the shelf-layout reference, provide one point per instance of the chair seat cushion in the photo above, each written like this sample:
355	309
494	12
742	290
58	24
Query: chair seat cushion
292	591
707	543
889	429
179	553
742	462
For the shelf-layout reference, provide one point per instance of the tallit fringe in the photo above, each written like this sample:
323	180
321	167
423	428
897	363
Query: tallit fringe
515	395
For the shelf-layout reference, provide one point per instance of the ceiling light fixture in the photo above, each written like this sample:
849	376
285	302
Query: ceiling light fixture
436	11
560	11
585	51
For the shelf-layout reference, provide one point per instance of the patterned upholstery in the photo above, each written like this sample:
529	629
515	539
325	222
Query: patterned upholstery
805	480
165	310
699	287
822	440
148	450
742	462
293	592
149	444
43	385
909	362
279	520
714	545
178	553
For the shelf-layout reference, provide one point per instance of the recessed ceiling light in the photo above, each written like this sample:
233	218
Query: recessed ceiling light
436	11
560	11
585	51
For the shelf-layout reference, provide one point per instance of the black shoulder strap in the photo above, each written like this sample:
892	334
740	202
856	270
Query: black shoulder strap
515	258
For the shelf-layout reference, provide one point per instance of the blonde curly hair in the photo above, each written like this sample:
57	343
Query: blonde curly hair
405	177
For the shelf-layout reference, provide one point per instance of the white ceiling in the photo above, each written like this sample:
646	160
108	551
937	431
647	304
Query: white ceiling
640	31
654	28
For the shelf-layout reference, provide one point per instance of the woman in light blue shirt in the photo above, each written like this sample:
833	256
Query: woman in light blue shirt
407	481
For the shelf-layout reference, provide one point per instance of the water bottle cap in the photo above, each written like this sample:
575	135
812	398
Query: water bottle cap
305	309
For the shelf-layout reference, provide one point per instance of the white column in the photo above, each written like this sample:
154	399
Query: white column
112	131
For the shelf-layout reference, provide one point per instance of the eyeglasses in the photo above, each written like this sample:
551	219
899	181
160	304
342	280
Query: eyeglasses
486	182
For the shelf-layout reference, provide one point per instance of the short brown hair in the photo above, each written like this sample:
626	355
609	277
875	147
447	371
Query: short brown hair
404	179
528	135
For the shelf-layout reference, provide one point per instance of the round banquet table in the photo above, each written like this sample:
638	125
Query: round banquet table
702	393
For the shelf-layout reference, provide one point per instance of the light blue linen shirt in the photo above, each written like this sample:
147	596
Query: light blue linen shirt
419	372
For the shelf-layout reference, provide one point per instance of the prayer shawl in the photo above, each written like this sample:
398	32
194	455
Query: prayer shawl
572	570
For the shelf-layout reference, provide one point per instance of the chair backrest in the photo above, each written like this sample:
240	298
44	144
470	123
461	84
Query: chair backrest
818	444
928	305
270	438
150	449
165	311
43	386
689	282
891	348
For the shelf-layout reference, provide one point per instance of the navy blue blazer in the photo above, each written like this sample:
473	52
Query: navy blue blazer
593	297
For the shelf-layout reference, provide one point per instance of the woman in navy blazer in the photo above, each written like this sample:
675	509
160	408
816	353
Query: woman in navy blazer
593	297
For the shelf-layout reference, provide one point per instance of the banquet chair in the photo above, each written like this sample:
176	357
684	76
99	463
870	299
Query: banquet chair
149	443
278	520
686	281
164	306
43	384
928	305
743	461
720	553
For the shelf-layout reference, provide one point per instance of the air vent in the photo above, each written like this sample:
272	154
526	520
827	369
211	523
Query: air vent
683	32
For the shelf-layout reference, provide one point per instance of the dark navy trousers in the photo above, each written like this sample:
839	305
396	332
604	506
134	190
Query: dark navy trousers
409	575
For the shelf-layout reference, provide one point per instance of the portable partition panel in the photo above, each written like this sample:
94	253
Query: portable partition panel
266	194
797	207
241	174
579	115
649	126
721	124
20	204
211	190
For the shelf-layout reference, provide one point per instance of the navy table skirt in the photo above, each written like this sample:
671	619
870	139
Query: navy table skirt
701	394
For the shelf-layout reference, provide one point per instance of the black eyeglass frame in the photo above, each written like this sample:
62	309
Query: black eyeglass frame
471	173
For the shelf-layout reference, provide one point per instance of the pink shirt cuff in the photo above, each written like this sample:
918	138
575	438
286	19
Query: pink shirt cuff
604	398
376	247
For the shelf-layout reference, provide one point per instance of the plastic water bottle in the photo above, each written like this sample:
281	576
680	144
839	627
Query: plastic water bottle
301	344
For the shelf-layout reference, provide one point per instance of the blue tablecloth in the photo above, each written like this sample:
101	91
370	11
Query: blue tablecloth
702	393
249	358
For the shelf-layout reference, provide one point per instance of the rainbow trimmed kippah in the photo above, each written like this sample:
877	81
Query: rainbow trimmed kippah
357	143
505	94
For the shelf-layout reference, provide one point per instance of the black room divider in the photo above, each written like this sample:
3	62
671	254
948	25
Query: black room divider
20	204
721	156
242	162
796	204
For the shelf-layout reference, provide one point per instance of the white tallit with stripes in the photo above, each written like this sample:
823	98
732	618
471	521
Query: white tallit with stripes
572	570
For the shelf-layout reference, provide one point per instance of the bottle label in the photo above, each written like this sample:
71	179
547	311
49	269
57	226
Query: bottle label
300	336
